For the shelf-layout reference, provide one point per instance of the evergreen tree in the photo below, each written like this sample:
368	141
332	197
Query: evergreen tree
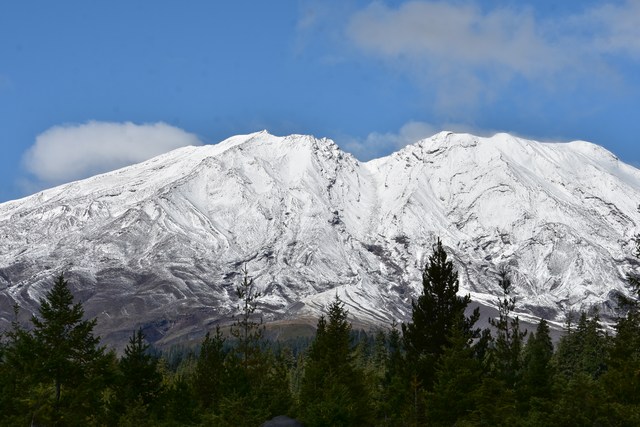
141	380
434	315
180	406
248	332
583	350
332	390
579	361
537	379
580	402
67	355
457	381
375	371
621	381
209	376
19	401
395	399
254	376
506	356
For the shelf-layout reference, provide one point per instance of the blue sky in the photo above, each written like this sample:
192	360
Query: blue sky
86	87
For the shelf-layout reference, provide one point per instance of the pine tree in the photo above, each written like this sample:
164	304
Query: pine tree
395	397
141	380
457	381
210	371
536	389
68	354
583	350
579	401
434	315
19	403
509	341
332	390
579	362
375	366
537	359
248	332
621	381
257	386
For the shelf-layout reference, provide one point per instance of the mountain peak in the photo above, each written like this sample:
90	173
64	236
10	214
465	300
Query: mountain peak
161	243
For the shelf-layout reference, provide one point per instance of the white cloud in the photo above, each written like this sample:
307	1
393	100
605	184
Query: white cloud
69	152
456	33
466	51
615	27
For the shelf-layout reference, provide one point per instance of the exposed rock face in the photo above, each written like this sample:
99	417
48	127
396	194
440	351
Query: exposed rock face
161	244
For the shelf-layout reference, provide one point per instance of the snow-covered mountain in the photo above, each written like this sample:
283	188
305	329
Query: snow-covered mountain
161	244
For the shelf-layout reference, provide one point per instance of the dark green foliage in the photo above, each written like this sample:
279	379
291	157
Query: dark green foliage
209	375
439	371
248	332
140	381
434	315
583	349
537	375
55	374
257	386
495	404
179	404
18	402
67	355
64	342
579	402
506	355
457	381
333	391
621	381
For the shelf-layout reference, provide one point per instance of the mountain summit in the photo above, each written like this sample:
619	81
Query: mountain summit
161	244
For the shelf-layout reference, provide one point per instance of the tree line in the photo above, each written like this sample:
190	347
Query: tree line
437	369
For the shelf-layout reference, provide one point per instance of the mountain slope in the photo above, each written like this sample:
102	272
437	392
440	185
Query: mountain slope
161	244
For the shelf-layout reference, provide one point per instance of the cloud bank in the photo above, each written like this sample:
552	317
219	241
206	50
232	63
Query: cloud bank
69	152
507	37
448	33
467	51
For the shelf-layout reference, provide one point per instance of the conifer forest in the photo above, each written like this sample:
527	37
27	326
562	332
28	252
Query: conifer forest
439	368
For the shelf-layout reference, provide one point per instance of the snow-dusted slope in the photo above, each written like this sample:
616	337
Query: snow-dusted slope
161	244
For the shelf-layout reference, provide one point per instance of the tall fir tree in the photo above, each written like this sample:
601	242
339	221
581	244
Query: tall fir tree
583	350
257	386
506	356
333	392
457	381
67	355
247	331
434	315
393	387
19	401
210	371
536	389
141	380
621	381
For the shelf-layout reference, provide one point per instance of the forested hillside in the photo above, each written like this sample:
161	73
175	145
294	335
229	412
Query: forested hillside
437	369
